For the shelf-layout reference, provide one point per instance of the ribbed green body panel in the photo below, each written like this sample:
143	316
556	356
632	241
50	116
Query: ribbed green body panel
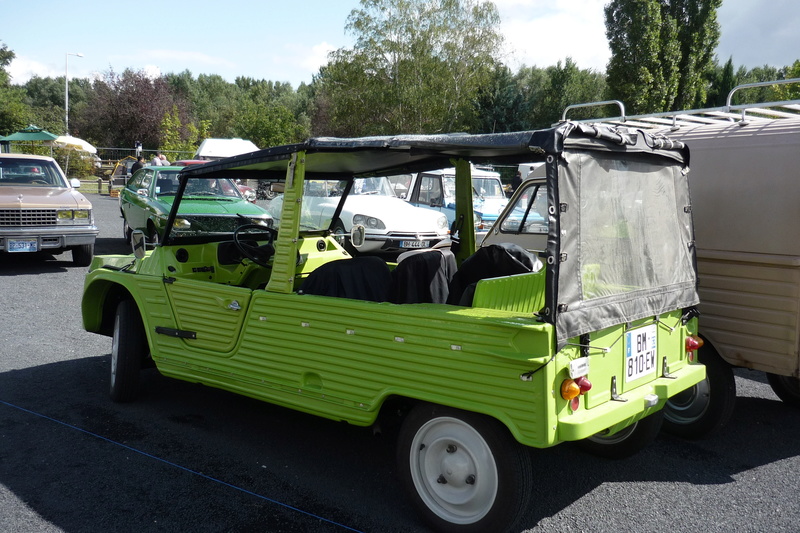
341	358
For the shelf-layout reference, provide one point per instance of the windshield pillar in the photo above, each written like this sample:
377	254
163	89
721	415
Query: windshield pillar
464	218
285	259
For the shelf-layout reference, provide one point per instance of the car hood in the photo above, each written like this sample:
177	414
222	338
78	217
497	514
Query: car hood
213	206
490	208
42	198
396	214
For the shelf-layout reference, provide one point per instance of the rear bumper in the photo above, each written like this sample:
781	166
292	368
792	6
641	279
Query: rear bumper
638	403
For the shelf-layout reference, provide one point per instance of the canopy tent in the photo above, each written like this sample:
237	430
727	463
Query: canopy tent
31	133
68	141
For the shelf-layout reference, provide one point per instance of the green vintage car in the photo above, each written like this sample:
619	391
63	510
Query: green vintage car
214	204
475	353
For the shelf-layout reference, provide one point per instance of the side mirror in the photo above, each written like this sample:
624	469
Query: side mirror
75	183
357	235
138	243
141	192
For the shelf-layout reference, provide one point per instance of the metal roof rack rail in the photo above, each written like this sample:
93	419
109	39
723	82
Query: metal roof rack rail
729	113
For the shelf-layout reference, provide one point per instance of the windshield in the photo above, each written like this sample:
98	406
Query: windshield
378	185
488	187
30	173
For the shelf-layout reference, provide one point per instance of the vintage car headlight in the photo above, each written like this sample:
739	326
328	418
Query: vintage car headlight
369	222
80	217
181	224
443	222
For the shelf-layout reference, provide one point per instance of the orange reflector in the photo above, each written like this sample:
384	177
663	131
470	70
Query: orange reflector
570	389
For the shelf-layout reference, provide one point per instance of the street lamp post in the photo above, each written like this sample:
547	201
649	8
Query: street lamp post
66	88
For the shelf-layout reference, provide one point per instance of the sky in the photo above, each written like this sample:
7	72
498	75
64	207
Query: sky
267	39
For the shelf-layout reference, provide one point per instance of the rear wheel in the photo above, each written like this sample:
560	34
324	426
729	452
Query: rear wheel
786	387
704	408
128	351
625	442
464	471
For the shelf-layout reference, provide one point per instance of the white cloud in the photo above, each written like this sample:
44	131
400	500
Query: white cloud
541	33
23	69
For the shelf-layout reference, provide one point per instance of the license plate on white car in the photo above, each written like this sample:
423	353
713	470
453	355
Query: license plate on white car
415	244
640	352
22	245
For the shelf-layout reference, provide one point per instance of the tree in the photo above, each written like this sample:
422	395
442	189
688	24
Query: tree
14	114
417	66
661	52
126	108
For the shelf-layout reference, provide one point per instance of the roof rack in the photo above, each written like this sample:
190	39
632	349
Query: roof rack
742	113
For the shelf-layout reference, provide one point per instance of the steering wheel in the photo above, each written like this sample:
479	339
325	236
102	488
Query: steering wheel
259	255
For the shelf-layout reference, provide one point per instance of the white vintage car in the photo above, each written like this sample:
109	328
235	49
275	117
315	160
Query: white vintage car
391	224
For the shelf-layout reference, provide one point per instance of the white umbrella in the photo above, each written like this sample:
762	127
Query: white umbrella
68	141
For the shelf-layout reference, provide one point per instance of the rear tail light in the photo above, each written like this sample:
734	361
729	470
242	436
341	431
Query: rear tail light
573	389
693	343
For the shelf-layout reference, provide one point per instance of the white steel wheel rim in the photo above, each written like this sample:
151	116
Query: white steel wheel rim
115	351
690	404
453	470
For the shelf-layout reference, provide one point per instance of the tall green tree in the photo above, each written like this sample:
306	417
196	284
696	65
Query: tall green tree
661	52
417	66
14	114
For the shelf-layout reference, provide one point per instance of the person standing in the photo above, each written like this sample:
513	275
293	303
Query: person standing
139	163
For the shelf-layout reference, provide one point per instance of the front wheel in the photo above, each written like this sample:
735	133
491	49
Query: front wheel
128	350
464	471
82	255
786	387
625	442
705	407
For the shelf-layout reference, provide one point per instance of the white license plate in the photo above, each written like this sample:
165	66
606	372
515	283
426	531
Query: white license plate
415	244
640	352
22	245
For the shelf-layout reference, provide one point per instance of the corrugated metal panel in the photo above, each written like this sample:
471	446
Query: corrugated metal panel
750	311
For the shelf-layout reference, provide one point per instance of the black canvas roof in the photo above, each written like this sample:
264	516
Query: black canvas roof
362	156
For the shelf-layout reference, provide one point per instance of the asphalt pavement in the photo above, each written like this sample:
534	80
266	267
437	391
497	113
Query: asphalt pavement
189	458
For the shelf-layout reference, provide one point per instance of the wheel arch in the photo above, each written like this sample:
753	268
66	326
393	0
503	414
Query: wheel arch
395	407
99	305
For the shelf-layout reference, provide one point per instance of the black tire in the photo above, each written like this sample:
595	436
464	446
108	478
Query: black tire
706	407
344	242
82	255
464	471
128	351
152	234
786	387
126	231
625	442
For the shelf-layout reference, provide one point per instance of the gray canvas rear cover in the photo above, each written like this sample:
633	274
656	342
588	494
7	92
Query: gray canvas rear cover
626	249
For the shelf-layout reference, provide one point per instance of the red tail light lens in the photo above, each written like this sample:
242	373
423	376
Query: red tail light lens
693	343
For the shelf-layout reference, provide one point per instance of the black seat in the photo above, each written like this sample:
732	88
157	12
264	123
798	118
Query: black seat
359	278
495	260
423	276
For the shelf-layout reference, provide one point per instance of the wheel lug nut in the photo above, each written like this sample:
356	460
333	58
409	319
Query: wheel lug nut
441	480
451	448
470	479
